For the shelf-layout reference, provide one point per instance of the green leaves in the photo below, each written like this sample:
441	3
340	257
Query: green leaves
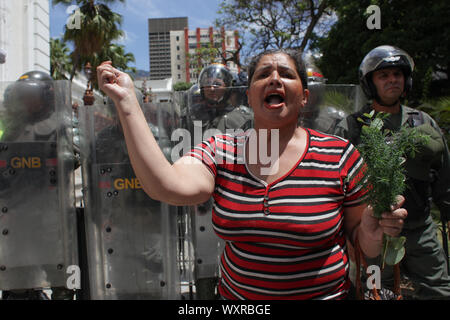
204	56
384	153
411	23
60	64
384	167
393	249
94	40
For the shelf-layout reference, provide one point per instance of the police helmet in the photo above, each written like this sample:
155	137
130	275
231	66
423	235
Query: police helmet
216	75
316	86
238	95
316	82
194	96
240	79
9	98
34	95
382	57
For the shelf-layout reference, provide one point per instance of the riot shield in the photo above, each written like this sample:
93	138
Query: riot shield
325	109
202	121
38	240
329	104
131	238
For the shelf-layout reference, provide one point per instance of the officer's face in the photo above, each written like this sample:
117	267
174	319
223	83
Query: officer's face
389	83
214	90
32	104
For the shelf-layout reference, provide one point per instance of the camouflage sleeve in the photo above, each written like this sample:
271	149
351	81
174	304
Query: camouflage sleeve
341	129
440	186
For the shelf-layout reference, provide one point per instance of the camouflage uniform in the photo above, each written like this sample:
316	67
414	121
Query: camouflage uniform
427	177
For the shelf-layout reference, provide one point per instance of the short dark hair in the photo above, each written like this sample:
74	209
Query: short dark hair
295	55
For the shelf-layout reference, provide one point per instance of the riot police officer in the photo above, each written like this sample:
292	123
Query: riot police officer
216	102
240	85
38	217
29	103
385	76
317	115
215	109
128	233
117	152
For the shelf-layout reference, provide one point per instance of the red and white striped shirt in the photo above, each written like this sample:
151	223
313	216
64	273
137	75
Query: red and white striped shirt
284	240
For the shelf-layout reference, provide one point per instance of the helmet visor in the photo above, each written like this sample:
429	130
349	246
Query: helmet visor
215	75
385	57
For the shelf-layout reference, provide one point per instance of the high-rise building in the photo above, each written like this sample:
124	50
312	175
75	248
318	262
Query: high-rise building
173	47
185	63
159	45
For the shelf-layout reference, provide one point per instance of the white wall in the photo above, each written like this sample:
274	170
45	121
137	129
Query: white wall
162	89
178	75
24	35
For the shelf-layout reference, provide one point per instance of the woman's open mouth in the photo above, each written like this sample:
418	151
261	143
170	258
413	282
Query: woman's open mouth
274	101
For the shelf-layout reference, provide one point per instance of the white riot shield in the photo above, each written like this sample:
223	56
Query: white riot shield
202	119
131	238
38	240
328	104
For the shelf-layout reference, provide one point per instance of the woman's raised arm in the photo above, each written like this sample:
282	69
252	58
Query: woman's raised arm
184	182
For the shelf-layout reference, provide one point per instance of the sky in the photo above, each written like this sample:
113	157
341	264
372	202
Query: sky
200	13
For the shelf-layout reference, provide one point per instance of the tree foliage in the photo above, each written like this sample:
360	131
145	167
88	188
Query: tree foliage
265	24
215	53
418	27
114	53
204	56
93	40
60	63
182	86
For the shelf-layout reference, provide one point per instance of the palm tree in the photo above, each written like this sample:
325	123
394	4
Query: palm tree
99	26
60	64
114	53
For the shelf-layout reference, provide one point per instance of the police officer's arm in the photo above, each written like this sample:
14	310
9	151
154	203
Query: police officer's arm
440	185
183	183
349	128
341	129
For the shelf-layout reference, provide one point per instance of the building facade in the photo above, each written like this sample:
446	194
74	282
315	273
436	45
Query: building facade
24	37
186	44
174	49
159	45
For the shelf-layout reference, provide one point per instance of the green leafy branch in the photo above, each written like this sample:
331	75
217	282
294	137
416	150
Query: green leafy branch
384	153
